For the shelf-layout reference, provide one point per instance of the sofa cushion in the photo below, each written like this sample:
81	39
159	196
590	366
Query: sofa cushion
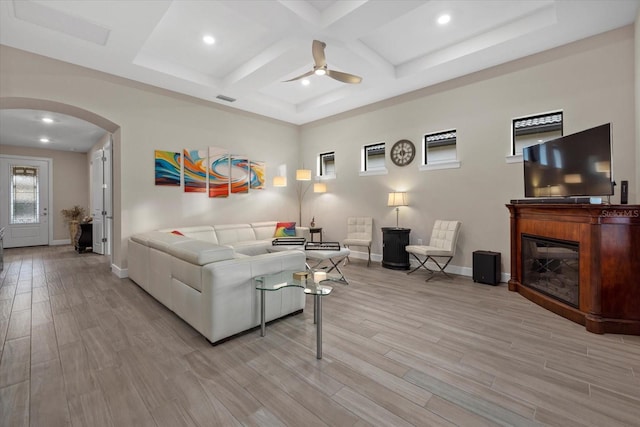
161	241
264	229
285	229
252	247
229	234
200	252
200	232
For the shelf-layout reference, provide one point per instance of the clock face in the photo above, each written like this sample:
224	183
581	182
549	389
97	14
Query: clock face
403	152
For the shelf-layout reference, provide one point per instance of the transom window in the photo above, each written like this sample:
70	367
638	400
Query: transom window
373	157
535	129
440	147
327	164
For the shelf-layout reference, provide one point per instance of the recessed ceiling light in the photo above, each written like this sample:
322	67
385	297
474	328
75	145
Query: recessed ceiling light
208	39
44	140
444	19
305	82
47	119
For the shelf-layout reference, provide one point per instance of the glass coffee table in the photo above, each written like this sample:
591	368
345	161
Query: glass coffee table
285	279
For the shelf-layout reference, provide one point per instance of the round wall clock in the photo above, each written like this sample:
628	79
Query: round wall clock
403	152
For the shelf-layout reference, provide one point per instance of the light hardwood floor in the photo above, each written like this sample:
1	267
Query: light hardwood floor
81	347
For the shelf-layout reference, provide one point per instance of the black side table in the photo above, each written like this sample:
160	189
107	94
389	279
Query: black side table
394	240
315	230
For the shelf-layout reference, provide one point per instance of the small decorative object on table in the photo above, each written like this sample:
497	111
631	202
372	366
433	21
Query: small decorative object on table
313	221
301	276
73	216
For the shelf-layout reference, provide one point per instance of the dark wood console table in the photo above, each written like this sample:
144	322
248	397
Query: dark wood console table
608	237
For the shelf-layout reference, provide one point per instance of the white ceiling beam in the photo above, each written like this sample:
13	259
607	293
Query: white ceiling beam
381	65
260	61
538	20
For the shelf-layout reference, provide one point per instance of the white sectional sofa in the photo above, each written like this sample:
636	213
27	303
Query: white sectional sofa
205	274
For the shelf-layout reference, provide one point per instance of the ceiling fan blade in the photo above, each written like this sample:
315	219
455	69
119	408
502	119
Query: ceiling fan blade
344	77
317	49
300	77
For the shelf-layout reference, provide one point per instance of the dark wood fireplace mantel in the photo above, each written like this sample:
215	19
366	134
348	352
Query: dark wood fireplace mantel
609	261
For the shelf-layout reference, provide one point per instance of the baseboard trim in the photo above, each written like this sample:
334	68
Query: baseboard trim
122	273
60	242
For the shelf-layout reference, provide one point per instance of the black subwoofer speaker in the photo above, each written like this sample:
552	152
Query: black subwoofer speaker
486	267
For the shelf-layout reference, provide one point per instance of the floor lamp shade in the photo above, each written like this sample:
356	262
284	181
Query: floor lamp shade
303	175
319	187
279	181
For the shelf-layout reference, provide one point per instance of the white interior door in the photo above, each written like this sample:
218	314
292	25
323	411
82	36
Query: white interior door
101	200
24	192
97	192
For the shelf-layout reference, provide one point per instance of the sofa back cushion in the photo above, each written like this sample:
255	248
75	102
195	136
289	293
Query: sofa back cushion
199	252
201	232
161	240
264	230
229	234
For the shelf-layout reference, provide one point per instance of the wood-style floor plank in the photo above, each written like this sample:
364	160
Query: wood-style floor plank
80	347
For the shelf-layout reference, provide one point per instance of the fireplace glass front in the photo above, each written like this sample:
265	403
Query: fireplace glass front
552	267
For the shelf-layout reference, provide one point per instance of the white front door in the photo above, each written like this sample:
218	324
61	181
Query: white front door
24	197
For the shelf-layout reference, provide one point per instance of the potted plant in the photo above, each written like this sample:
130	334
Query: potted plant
73	216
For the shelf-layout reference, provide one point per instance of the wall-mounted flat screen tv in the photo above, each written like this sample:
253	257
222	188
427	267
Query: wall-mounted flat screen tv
574	165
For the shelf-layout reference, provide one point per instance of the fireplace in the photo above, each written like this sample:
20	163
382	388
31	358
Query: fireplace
552	267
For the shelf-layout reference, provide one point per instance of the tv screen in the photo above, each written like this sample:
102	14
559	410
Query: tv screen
574	165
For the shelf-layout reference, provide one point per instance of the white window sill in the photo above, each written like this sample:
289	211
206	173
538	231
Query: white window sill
374	172
326	177
450	164
514	158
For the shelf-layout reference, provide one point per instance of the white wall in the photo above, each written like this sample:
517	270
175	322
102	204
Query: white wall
592	81
150	119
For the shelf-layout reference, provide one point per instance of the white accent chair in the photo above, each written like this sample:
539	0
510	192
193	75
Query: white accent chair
444	238
359	233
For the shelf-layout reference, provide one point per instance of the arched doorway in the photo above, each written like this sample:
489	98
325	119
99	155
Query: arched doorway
112	128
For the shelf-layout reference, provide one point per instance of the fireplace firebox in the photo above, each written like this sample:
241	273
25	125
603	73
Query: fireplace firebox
552	267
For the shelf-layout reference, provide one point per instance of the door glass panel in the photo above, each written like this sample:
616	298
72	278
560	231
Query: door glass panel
24	195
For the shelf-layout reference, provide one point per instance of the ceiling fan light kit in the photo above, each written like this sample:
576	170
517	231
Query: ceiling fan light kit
320	67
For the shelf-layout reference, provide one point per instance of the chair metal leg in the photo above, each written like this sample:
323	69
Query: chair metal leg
423	265
369	259
440	267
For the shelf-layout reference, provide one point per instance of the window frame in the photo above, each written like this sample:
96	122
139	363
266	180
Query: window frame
440	164
515	157
364	160
322	167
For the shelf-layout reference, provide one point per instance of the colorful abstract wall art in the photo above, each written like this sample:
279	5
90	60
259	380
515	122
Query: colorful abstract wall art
167	168
257	178
239	174
219	172
195	171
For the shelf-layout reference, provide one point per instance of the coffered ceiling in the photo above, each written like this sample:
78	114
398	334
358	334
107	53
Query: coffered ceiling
396	46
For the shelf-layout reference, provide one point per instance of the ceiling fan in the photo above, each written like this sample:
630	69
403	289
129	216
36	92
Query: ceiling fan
320	66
